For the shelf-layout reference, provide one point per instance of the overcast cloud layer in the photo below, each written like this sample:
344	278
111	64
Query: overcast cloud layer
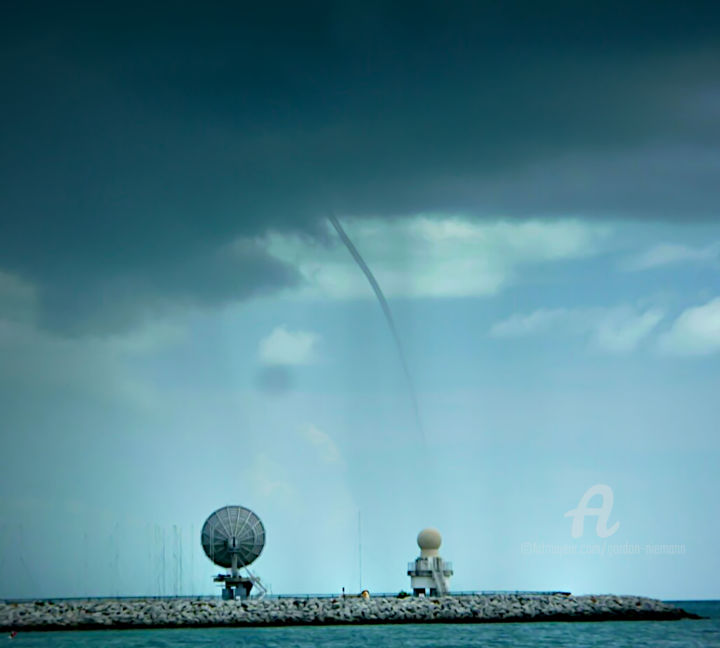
137	141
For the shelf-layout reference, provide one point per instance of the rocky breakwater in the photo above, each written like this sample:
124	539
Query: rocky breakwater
165	613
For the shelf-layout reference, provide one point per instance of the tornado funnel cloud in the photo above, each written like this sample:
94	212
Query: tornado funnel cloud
386	311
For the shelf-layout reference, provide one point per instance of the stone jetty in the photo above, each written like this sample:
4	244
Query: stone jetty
186	612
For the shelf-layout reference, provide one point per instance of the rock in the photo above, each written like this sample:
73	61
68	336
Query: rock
48	615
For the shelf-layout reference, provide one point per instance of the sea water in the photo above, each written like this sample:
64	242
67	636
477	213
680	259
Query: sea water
653	634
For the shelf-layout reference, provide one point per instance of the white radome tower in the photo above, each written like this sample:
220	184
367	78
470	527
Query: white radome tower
429	573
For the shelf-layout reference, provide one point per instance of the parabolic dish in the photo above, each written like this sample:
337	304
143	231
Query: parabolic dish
233	526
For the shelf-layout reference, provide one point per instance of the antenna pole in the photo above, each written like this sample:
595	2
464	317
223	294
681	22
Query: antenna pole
162	563
360	550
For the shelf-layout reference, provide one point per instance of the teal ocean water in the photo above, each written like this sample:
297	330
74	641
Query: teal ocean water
653	634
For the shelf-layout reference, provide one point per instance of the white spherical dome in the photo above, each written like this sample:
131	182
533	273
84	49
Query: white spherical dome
429	539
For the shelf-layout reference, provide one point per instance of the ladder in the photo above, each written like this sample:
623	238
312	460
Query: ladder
262	590
438	576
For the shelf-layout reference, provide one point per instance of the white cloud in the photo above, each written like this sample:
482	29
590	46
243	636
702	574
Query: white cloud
621	330
520	325
161	334
270	480
323	443
284	347
99	367
618	329
432	256
665	254
696	331
17	299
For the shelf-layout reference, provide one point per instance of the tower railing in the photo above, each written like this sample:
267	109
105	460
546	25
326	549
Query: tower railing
424	567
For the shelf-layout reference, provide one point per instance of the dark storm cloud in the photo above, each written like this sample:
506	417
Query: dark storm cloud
275	380
138	140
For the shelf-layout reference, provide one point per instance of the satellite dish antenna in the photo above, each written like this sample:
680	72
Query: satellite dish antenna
233	537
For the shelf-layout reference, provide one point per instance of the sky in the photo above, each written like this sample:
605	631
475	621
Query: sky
534	187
